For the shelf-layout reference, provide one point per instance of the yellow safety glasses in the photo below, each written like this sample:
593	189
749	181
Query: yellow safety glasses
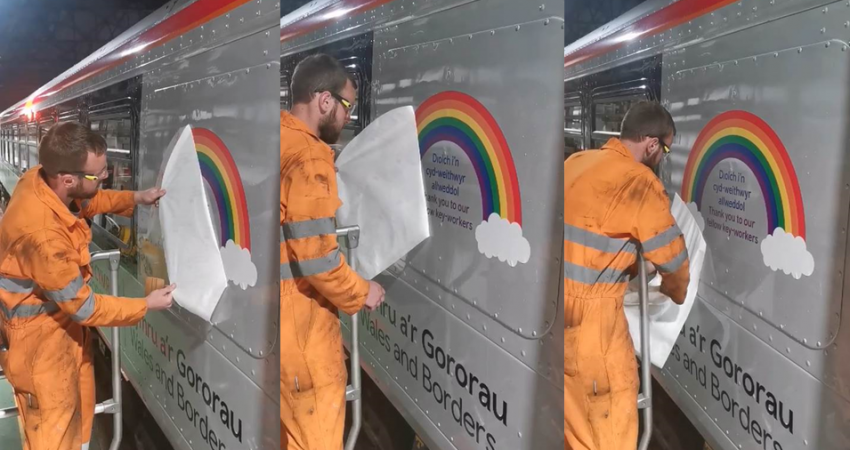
345	103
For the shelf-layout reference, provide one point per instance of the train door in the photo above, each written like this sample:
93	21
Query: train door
117	121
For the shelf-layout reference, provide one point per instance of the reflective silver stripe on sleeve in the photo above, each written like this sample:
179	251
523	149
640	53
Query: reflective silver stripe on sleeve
308	228
661	240
16	285
674	263
22	311
86	310
299	269
597	241
67	293
591	276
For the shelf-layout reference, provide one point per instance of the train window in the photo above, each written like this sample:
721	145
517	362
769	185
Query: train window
572	118
44	125
18	147
355	119
608	115
10	145
610	104
68	115
573	125
116	122
22	148
285	90
32	144
3	144
356	67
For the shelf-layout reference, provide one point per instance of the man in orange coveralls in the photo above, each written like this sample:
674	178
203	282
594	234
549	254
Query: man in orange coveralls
316	281
613	201
46	304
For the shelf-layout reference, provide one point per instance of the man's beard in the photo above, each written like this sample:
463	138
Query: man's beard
328	130
80	194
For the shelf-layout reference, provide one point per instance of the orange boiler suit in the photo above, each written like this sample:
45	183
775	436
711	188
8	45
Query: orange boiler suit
611	203
46	307
315	283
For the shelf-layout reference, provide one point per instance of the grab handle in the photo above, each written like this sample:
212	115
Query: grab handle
353	391
645	396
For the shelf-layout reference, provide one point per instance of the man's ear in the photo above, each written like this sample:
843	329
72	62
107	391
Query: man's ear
324	105
67	181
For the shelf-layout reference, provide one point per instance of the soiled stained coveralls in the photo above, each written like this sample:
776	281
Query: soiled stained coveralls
611	202
46	305
315	283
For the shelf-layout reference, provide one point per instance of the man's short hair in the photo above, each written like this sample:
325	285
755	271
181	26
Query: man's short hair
318	73
65	148
647	119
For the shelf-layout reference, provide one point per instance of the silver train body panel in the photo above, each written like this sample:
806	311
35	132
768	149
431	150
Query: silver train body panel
475	317
207	385
759	362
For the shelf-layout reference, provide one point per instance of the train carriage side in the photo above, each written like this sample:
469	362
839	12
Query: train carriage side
759	94
467	346
207	65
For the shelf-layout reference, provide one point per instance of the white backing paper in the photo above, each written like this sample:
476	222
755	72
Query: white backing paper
192	254
666	318
382	191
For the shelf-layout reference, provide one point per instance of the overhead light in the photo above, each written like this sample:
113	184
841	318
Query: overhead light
337	13
133	50
628	37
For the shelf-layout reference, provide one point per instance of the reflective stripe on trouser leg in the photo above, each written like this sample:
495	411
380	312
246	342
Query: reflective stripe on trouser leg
601	399
313	414
44	365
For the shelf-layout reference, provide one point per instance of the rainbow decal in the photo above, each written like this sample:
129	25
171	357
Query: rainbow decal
747	138
458	118
220	172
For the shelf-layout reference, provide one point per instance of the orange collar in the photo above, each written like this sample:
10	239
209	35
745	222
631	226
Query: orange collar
34	182
288	120
617	146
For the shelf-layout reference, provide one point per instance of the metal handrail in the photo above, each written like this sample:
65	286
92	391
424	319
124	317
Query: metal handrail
353	391
113	405
645	396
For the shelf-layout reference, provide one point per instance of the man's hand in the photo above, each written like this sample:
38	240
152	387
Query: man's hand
375	297
161	298
148	197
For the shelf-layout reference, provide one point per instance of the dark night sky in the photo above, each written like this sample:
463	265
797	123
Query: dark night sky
39	39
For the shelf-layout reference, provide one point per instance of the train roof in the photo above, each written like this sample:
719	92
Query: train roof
127	52
647	29
320	13
647	19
